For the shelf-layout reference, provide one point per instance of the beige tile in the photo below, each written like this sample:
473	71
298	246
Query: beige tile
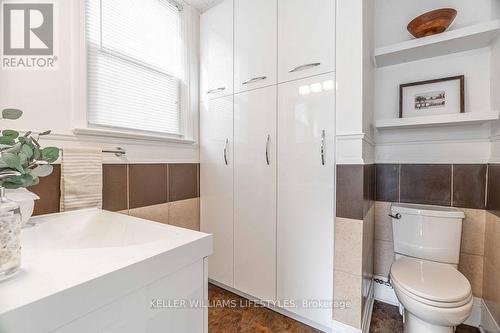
185	214
383	223
492	239
157	213
347	291
491	289
472	267
348	245
473	231
123	212
384	255
368	244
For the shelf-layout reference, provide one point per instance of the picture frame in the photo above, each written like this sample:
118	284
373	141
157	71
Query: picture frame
432	97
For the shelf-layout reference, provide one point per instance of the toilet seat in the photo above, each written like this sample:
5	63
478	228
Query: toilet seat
435	284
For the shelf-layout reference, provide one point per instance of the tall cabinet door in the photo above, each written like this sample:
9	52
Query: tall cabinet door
306	38
255	192
255	44
216	49
216	185
306	193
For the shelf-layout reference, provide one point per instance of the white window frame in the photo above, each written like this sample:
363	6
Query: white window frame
189	87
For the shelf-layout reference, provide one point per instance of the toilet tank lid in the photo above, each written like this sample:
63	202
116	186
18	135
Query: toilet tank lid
427	210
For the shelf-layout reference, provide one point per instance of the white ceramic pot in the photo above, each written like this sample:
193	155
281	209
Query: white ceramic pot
26	201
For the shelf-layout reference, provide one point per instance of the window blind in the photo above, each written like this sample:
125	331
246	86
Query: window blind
134	65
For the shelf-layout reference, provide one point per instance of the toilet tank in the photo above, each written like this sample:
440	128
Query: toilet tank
427	232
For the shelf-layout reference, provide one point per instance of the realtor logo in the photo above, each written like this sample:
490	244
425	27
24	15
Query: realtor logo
28	35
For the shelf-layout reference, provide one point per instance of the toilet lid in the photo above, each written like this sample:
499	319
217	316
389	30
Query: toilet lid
431	280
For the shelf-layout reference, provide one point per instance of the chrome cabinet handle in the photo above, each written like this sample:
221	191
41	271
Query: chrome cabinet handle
303	67
323	147
397	216
255	79
212	91
267	149
225	152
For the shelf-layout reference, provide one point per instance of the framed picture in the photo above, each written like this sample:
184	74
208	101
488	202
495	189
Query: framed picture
432	97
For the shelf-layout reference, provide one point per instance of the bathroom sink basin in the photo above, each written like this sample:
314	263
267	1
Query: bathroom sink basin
76	262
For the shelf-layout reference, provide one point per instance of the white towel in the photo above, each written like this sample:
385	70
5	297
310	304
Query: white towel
81	178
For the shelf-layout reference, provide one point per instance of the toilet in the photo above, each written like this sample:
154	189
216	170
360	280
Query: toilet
435	296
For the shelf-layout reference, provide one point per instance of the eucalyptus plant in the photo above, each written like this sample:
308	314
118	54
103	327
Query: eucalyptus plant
23	155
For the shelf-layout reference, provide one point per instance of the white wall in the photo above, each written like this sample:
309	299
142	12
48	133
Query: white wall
495	94
354	72
451	144
53	99
392	16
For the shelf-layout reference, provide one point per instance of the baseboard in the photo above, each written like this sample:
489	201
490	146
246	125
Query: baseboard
475	317
275	308
339	327
488	323
386	294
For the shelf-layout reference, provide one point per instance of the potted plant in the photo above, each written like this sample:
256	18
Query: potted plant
22	162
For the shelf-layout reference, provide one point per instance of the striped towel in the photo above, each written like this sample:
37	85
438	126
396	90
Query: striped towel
81	178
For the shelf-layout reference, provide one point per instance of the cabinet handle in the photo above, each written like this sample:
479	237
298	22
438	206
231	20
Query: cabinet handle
267	149
255	79
397	216
323	147
212	91
303	67
225	152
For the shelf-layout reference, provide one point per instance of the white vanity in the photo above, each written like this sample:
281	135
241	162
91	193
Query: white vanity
95	271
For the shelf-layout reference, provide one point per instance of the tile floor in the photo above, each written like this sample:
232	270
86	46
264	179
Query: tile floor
229	313
386	319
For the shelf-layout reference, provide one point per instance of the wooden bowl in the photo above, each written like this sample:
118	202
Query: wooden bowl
432	23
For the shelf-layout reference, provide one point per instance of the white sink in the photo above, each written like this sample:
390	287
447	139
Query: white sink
76	264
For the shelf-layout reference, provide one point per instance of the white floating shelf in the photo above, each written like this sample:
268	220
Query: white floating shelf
439	120
458	40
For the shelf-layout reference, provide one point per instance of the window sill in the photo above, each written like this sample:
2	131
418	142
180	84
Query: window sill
129	135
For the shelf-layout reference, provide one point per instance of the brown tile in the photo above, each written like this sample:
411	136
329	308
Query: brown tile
387	182
469	185
426	184
350	191
49	191
493	204
114	187
147	184
183	181
368	187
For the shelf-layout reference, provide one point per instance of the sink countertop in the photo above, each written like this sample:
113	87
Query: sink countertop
84	248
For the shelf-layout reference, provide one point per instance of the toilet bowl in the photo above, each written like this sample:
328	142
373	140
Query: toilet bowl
436	297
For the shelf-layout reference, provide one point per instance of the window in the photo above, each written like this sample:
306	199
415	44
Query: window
135	67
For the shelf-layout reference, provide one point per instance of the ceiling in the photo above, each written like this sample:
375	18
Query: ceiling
202	5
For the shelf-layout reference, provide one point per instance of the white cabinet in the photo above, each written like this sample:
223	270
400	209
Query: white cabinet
255	192
306	193
306	38
216	184
216	48
255	44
